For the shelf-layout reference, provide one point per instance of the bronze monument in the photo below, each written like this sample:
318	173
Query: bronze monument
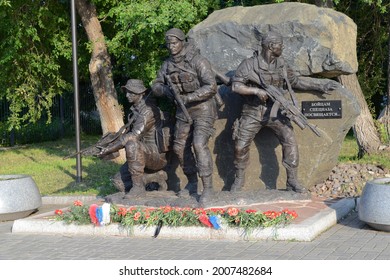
188	79
266	83
143	156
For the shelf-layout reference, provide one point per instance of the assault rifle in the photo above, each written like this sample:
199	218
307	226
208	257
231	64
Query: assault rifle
105	141
288	108
179	101
225	80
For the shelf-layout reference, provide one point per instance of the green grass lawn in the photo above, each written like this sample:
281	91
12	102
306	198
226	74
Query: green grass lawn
349	152
55	176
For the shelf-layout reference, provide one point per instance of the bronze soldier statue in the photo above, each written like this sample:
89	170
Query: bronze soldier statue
139	138
254	79
188	78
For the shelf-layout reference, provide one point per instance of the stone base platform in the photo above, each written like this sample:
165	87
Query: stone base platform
217	199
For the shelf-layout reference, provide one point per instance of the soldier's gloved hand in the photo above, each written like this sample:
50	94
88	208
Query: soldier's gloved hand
261	94
160	89
186	99
330	85
103	152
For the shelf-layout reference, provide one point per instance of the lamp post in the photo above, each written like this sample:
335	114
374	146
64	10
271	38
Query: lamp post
76	91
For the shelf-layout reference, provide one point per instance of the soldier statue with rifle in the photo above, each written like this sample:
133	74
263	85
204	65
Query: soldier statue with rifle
139	138
266	84
188	79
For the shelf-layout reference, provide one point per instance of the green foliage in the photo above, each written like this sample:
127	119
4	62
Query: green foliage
383	132
77	214
35	42
5	3
138	43
34	133
372	46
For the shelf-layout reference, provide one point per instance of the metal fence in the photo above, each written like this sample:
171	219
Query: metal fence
61	125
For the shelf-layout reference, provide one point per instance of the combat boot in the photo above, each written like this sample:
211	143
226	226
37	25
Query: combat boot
138	187
239	181
292	181
191	189
208	191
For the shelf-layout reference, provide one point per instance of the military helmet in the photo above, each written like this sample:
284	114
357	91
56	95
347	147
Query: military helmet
272	37
176	32
134	86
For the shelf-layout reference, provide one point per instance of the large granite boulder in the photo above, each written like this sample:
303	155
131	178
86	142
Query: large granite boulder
318	41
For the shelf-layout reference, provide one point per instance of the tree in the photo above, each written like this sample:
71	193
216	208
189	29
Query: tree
372	38
137	44
384	117
33	49
36	50
364	127
111	115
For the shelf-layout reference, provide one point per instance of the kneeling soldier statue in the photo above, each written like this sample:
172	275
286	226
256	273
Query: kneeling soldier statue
139	138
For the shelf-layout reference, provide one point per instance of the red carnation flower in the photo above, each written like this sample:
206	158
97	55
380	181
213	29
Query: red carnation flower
292	213
199	211
77	203
270	214
137	215
217	210
122	211
232	212
58	212
166	209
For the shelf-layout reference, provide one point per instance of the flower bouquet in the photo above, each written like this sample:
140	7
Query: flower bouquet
216	218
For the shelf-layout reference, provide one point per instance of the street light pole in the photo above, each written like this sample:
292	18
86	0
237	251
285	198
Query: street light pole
76	91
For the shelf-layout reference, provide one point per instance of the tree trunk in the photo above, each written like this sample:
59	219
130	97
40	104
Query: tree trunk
364	128
384	117
111	115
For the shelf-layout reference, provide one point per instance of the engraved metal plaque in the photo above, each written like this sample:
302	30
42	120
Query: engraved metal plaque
328	109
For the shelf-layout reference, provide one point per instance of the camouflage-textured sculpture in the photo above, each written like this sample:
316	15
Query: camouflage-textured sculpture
139	140
255	79
188	78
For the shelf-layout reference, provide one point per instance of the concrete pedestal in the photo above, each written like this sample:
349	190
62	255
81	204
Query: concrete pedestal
19	197
374	204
